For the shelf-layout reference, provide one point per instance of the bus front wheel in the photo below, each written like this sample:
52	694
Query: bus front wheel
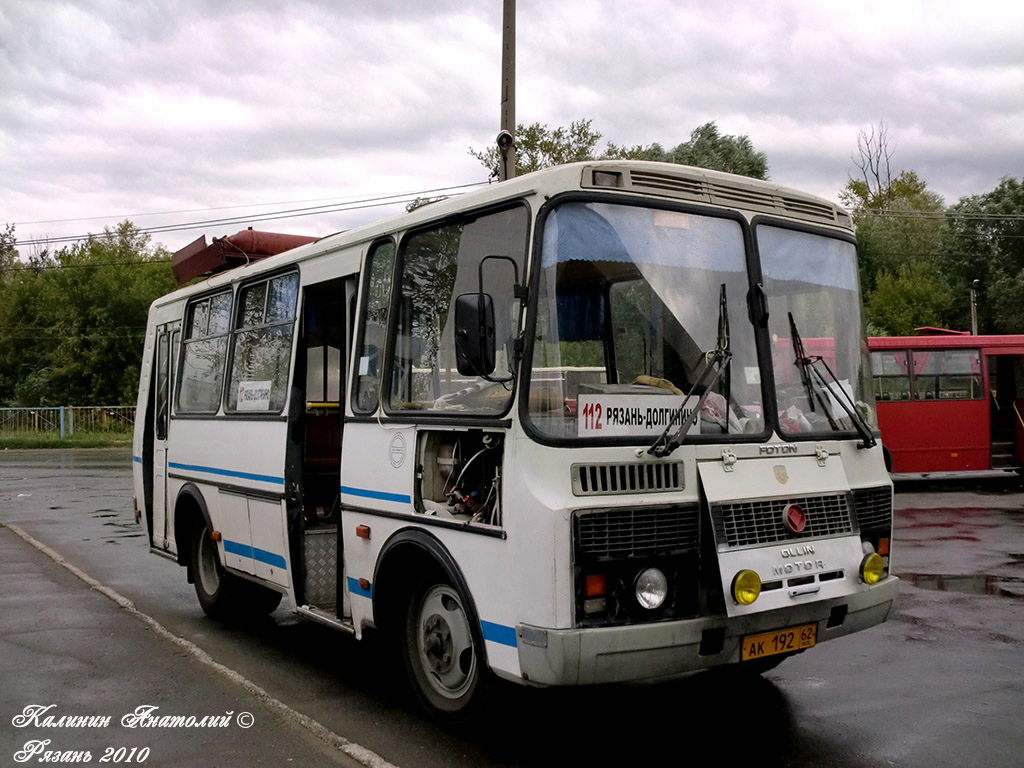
217	590
442	654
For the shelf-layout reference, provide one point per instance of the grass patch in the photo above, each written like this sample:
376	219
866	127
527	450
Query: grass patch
77	440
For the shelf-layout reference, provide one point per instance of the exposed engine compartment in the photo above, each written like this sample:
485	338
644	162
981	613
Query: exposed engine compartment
458	475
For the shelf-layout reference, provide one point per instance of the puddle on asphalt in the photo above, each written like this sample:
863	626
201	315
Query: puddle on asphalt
975	584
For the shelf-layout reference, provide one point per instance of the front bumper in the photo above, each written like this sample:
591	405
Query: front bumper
644	651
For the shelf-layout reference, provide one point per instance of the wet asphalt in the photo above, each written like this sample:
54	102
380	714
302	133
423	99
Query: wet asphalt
940	684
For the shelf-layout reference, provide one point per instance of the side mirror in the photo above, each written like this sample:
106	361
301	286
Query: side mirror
474	334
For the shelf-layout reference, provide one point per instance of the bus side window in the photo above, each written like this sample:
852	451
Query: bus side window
207	323
162	386
379	265
438	265
951	374
262	345
891	374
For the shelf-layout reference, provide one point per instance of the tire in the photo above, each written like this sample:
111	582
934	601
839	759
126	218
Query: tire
258	600
443	654
218	591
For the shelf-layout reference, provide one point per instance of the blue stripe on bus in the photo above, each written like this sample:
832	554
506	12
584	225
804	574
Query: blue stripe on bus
499	633
244	550
355	589
379	495
227	473
137	459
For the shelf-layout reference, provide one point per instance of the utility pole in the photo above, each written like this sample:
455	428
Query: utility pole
974	307
507	135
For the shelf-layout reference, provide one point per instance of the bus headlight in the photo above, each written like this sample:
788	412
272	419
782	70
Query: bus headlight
746	587
872	568
651	588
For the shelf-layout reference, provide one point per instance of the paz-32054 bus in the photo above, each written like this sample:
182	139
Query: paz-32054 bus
562	431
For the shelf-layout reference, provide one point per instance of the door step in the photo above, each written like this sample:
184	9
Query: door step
322	617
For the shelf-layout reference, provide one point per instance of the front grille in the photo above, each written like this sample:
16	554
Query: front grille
660	182
619	533
750	523
652	477
810	208
740	196
874	508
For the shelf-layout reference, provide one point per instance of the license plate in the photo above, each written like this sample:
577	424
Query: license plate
780	641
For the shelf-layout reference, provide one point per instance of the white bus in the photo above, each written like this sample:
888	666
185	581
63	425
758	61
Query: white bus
562	431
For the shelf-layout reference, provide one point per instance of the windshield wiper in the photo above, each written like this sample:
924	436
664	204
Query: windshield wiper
716	363
810	373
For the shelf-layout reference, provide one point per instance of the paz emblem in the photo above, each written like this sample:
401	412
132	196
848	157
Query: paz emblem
780	474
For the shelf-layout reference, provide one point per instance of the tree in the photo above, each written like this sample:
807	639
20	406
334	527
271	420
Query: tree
913	296
538	146
72	322
984	241
706	148
899	240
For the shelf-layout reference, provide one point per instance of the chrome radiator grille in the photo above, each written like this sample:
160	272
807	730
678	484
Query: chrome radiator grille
619	533
750	523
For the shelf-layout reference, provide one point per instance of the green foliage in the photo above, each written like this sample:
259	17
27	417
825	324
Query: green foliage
706	148
912	296
918	259
539	146
900	241
984	240
72	322
899	225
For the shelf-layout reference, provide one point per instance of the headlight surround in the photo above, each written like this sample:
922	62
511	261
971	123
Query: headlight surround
651	587
746	587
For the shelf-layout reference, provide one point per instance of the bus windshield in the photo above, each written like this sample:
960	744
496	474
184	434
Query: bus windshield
811	285
628	314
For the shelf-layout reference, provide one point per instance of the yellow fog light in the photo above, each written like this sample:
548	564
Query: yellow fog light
872	568
746	586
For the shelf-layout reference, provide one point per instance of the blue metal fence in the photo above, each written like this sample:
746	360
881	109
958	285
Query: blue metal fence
66	420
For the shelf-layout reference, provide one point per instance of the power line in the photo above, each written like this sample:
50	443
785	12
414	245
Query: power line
945	214
359	204
123	216
48	267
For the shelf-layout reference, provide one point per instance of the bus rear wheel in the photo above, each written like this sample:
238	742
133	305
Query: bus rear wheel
443	655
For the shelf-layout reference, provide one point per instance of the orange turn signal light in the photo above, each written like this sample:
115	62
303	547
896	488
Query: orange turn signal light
593	585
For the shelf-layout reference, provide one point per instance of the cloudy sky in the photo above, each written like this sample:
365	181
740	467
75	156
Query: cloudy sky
171	113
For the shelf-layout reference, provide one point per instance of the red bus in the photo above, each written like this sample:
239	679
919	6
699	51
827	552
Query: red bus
950	401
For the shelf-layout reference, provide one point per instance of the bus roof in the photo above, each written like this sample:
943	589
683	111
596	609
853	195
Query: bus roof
668	180
1008	344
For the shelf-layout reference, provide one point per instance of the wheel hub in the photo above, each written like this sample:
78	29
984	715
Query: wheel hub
437	643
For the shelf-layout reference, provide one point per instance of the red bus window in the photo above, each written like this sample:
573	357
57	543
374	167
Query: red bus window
891	375
947	374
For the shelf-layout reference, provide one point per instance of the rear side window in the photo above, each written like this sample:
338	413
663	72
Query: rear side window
207	324
262	345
